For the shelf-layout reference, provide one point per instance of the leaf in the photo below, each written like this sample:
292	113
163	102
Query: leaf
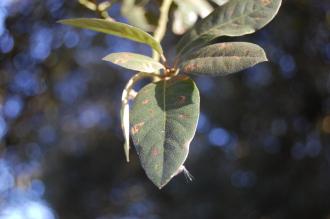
223	58
115	28
202	7
236	18
163	122
134	61
187	14
124	118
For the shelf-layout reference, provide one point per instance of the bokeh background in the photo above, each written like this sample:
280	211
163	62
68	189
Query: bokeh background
262	148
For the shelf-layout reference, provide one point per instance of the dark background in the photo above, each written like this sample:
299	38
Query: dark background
262	149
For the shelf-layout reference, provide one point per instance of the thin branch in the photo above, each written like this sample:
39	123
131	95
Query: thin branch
100	9
162	24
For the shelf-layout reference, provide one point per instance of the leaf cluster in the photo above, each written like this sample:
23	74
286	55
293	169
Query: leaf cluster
164	115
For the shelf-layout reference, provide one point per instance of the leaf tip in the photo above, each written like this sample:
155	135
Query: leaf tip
265	58
126	147
104	58
60	21
160	185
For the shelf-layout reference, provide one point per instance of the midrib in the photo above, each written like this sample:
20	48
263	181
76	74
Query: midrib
164	127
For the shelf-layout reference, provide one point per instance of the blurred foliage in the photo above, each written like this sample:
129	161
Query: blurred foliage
261	150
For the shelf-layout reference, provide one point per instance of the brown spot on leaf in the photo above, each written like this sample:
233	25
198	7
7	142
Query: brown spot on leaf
155	151
151	112
182	99
190	67
223	45
146	101
265	2
137	127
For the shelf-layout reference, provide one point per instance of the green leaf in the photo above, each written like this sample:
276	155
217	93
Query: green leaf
134	61
223	59
115	28
163	122
236	18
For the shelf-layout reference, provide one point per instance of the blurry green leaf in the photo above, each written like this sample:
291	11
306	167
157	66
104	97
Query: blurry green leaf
135	15
223	59
236	18
115	28
163	122
202	7
134	61
187	14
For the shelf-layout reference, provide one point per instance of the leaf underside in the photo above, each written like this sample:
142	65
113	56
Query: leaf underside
134	61
223	58
235	18
115	28
163	122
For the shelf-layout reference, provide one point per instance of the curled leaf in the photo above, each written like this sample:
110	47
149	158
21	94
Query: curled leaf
129	94
124	115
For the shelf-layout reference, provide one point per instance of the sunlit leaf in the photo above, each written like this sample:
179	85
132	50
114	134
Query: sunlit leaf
187	14
115	28
134	61
223	59
235	18
124	118
163	122
202	7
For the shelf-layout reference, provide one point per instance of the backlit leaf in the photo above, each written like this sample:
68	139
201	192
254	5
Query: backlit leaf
134	61
223	58
235	18
163	122
115	28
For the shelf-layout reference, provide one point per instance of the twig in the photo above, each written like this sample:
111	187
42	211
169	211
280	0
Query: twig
162	24
100	9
